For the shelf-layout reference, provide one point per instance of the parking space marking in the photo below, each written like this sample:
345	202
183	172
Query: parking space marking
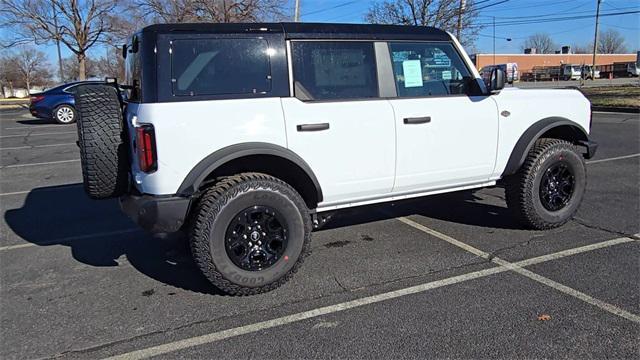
58	187
524	272
613	158
289	319
68	239
42	134
36	146
37	127
37	164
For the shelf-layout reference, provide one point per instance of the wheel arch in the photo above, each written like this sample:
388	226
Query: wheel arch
551	127
266	158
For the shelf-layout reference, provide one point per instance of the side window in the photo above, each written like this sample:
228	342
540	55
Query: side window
220	66
428	69
333	70
133	74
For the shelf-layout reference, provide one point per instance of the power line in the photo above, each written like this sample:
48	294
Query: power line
330	8
556	13
547	20
490	5
539	4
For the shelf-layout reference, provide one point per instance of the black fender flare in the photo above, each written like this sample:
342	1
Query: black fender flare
207	165
533	133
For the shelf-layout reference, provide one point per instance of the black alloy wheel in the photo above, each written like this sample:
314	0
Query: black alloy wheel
556	186
256	238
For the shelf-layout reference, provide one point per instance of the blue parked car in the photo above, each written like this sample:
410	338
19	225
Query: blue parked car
57	103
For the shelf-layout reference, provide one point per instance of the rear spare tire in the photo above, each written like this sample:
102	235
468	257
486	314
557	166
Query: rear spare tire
102	141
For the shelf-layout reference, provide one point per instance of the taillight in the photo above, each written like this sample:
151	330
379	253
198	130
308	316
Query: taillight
35	99
146	148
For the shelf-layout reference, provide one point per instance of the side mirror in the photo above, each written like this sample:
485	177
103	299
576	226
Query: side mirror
497	80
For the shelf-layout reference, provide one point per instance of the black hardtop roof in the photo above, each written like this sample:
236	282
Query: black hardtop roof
309	30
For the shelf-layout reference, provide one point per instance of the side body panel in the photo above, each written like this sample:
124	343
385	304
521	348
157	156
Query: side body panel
457	146
520	109
355	156
189	131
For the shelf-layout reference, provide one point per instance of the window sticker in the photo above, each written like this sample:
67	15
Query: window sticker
446	75
412	70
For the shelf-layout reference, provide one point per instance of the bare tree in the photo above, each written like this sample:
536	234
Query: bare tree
222	11
80	23
72	70
111	64
582	49
541	42
443	14
31	67
8	76
611	42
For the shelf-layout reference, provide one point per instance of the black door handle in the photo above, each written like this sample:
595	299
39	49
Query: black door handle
418	120
313	127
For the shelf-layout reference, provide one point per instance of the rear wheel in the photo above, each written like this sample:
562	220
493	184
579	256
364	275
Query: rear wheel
64	114
547	190
250	233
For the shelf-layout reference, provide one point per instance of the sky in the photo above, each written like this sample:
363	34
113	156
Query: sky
566	32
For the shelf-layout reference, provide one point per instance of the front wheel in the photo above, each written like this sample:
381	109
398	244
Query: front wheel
64	114
547	190
249	234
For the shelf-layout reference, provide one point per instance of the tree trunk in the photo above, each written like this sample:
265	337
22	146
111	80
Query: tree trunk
82	66
28	86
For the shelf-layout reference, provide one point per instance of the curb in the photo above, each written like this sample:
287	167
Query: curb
630	110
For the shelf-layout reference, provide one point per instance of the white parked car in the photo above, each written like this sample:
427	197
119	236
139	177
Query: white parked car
248	135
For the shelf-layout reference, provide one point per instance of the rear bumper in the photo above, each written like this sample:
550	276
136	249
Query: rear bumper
39	112
156	214
591	147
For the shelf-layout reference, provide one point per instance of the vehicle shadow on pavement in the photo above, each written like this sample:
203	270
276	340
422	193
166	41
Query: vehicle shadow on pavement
38	122
462	207
98	234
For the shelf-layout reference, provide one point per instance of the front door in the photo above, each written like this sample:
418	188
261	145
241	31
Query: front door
337	121
445	137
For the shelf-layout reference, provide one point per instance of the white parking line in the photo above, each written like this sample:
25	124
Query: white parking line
289	319
42	134
67	239
36	146
613	158
36	164
39	190
38	127
531	275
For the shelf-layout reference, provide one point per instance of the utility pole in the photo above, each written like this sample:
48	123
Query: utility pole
296	15
55	23
463	4
595	41
494	40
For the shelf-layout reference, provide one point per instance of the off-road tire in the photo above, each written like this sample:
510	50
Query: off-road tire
522	189
212	215
102	141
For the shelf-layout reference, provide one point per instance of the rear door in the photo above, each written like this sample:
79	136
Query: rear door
446	137
337	121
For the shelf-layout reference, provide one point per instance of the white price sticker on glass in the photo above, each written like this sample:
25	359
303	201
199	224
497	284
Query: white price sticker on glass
446	75
412	70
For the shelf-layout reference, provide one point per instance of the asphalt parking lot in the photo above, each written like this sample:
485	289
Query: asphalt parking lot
449	276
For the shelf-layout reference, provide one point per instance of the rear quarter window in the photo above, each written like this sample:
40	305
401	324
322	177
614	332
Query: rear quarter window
220	66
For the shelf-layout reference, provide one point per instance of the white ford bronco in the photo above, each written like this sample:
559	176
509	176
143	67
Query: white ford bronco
246	135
